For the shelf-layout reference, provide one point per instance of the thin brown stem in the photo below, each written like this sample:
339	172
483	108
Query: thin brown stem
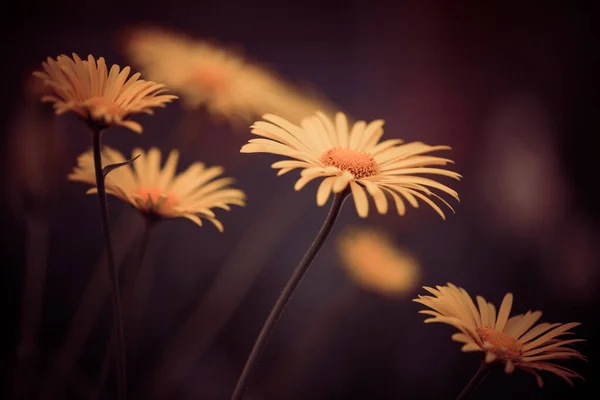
482	372
228	289
286	294
129	296
110	262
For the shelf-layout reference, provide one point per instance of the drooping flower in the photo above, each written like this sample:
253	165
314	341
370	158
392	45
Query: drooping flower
98	96
514	341
222	80
375	263
353	156
159	193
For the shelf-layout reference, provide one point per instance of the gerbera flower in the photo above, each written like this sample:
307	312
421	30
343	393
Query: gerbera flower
515	341
353	157
102	98
375	263
157	192
220	79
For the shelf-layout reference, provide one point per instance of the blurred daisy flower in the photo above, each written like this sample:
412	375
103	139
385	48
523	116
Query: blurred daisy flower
220	79
159	193
514	341
354	156
375	263
100	97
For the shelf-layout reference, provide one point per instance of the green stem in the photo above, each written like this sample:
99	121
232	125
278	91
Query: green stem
110	261
482	372
286	294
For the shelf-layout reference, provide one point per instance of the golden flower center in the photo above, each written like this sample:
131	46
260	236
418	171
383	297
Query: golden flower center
100	104
505	346
210	77
357	163
155	199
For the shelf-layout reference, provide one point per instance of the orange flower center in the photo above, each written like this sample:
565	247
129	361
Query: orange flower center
210	77
357	163
505	346
155	200
103	105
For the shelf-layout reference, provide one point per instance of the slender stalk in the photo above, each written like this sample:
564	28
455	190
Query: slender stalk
482	372
286	294
88	311
129	295
110	261
131	279
228	289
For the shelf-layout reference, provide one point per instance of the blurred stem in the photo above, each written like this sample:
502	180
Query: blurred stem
482	372
129	294
110	262
228	289
33	299
286	294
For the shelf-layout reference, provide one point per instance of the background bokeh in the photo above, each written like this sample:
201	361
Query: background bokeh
512	87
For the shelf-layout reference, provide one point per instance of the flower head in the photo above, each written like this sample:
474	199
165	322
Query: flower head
353	156
375	263
159	193
205	74
515	341
98	96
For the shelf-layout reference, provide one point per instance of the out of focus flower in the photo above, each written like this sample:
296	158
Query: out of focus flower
353	157
375	263
515	341
159	193
97	96
220	79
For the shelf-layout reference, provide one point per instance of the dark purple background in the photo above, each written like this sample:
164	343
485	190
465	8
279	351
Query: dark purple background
482	78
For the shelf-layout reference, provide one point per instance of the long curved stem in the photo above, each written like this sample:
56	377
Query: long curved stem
482	372
286	294
110	261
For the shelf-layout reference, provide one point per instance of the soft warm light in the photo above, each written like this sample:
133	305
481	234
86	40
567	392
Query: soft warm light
374	262
216	78
156	200
211	77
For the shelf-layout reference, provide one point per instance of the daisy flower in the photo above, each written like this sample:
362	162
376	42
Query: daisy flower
375	263
98	96
219	79
159	193
354	157
515	341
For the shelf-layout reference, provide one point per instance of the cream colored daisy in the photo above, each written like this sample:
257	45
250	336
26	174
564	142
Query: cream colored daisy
353	156
98	96
375	263
515	341
220	79
157	192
